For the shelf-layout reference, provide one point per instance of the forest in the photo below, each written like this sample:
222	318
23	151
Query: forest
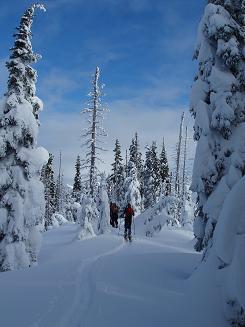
186	230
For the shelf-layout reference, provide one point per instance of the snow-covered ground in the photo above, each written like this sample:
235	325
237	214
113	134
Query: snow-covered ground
104	281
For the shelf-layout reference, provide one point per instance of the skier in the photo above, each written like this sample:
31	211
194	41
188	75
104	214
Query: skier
129	213
114	215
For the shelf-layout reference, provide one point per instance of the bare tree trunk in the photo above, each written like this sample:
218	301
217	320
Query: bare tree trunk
178	157
58	195
94	122
184	167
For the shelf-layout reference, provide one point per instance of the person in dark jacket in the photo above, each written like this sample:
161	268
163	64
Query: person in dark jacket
114	215
129	213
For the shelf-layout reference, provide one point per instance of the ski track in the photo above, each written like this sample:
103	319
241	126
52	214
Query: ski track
83	290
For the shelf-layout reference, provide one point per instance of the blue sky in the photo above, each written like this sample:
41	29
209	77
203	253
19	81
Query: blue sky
144	49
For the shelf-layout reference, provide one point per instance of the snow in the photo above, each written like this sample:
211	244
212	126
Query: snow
57	220
104	281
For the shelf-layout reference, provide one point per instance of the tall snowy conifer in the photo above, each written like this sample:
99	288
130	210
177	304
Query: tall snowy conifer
117	176
217	104
156	174
59	192
22	202
164	168
184	172
49	191
94	132
135	157
132	188
87	216
149	194
77	185
152	176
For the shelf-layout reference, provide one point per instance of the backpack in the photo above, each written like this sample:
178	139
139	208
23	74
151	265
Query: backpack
129	212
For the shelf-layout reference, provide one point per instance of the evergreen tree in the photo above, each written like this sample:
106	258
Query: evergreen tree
60	195
156	172
60	191
117	176
77	186
86	216
164	168
149	194
152	176
94	132
217	104
21	191
132	188
49	191
104	210
135	157
184	172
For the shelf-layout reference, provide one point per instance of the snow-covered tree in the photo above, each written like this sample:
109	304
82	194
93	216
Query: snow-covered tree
152	176
104	209
149	191
217	104
22	202
156	172
94	132
86	216
118	176
135	156
49	191
132	188
77	185
184	169
164	170
61	191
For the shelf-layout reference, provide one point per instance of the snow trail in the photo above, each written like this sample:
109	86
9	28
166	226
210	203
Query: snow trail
83	291
104	281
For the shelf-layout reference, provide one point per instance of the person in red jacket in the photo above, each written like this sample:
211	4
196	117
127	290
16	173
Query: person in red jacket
129	213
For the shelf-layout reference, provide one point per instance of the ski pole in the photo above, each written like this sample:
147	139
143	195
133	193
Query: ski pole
134	225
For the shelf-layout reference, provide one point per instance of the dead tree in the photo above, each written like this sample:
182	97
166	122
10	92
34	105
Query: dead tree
94	132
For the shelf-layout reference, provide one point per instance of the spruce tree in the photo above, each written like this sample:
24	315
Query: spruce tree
156	173
94	133
132	188
60	192
49	191
21	191
77	185
135	156
87	215
217	104
117	176
164	168
149	194
152	176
